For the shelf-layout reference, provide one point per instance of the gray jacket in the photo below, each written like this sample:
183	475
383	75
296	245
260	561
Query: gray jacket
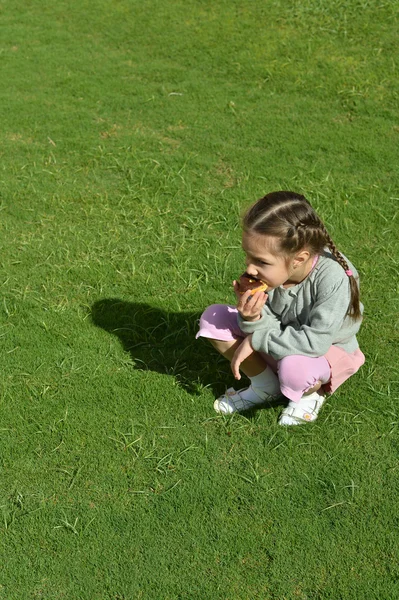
309	317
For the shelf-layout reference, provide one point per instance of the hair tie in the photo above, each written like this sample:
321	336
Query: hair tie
349	273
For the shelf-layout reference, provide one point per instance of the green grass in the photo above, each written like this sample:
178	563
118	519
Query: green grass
133	136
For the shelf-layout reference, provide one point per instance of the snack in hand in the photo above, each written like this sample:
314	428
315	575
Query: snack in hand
247	282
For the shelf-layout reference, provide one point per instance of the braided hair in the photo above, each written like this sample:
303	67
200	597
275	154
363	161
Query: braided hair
290	217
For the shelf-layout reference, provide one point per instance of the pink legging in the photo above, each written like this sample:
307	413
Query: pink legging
296	373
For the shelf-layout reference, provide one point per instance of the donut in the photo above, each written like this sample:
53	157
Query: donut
247	282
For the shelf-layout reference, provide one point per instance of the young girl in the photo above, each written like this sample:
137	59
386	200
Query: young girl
299	339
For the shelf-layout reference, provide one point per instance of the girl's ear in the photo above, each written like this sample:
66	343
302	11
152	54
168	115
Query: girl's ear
300	258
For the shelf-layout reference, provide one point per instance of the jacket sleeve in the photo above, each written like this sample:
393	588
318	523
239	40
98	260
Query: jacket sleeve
313	339
268	321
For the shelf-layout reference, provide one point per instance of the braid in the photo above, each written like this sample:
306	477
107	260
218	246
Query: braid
334	250
354	305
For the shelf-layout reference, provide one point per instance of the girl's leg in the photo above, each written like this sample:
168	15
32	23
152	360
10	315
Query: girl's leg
219	325
300	378
252	366
315	388
301	375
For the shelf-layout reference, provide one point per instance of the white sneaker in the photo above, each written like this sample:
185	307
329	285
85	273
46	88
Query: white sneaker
304	411
232	401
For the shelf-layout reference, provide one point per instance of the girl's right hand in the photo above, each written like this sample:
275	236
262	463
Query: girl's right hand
249	305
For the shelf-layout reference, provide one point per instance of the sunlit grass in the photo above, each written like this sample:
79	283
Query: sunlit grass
133	136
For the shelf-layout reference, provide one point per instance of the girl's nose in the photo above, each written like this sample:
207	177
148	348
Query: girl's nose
251	270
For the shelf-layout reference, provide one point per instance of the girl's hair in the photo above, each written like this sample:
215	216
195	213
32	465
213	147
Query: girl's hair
289	217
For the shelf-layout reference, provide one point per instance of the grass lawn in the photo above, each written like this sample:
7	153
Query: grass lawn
133	136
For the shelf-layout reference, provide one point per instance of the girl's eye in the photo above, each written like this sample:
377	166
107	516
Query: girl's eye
263	262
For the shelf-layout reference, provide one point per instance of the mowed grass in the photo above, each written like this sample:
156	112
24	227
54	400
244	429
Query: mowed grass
133	136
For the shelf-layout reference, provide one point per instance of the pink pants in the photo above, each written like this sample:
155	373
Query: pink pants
297	374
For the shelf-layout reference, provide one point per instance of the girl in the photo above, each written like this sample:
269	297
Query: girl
299	339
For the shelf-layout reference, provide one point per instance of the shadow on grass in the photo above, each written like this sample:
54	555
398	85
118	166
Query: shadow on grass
164	342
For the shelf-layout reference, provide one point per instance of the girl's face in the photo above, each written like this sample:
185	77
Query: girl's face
266	263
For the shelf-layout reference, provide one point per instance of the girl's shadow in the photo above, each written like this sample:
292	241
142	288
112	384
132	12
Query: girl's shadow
164	342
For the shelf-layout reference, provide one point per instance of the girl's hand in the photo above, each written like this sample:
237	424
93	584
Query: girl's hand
243	351
249	304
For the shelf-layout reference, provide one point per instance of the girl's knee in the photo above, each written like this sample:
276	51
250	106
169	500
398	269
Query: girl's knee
290	373
219	322
211	313
301	373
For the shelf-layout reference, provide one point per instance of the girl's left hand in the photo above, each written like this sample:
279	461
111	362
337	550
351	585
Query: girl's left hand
243	351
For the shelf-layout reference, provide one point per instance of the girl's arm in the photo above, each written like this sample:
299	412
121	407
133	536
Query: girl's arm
326	319
243	351
268	320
